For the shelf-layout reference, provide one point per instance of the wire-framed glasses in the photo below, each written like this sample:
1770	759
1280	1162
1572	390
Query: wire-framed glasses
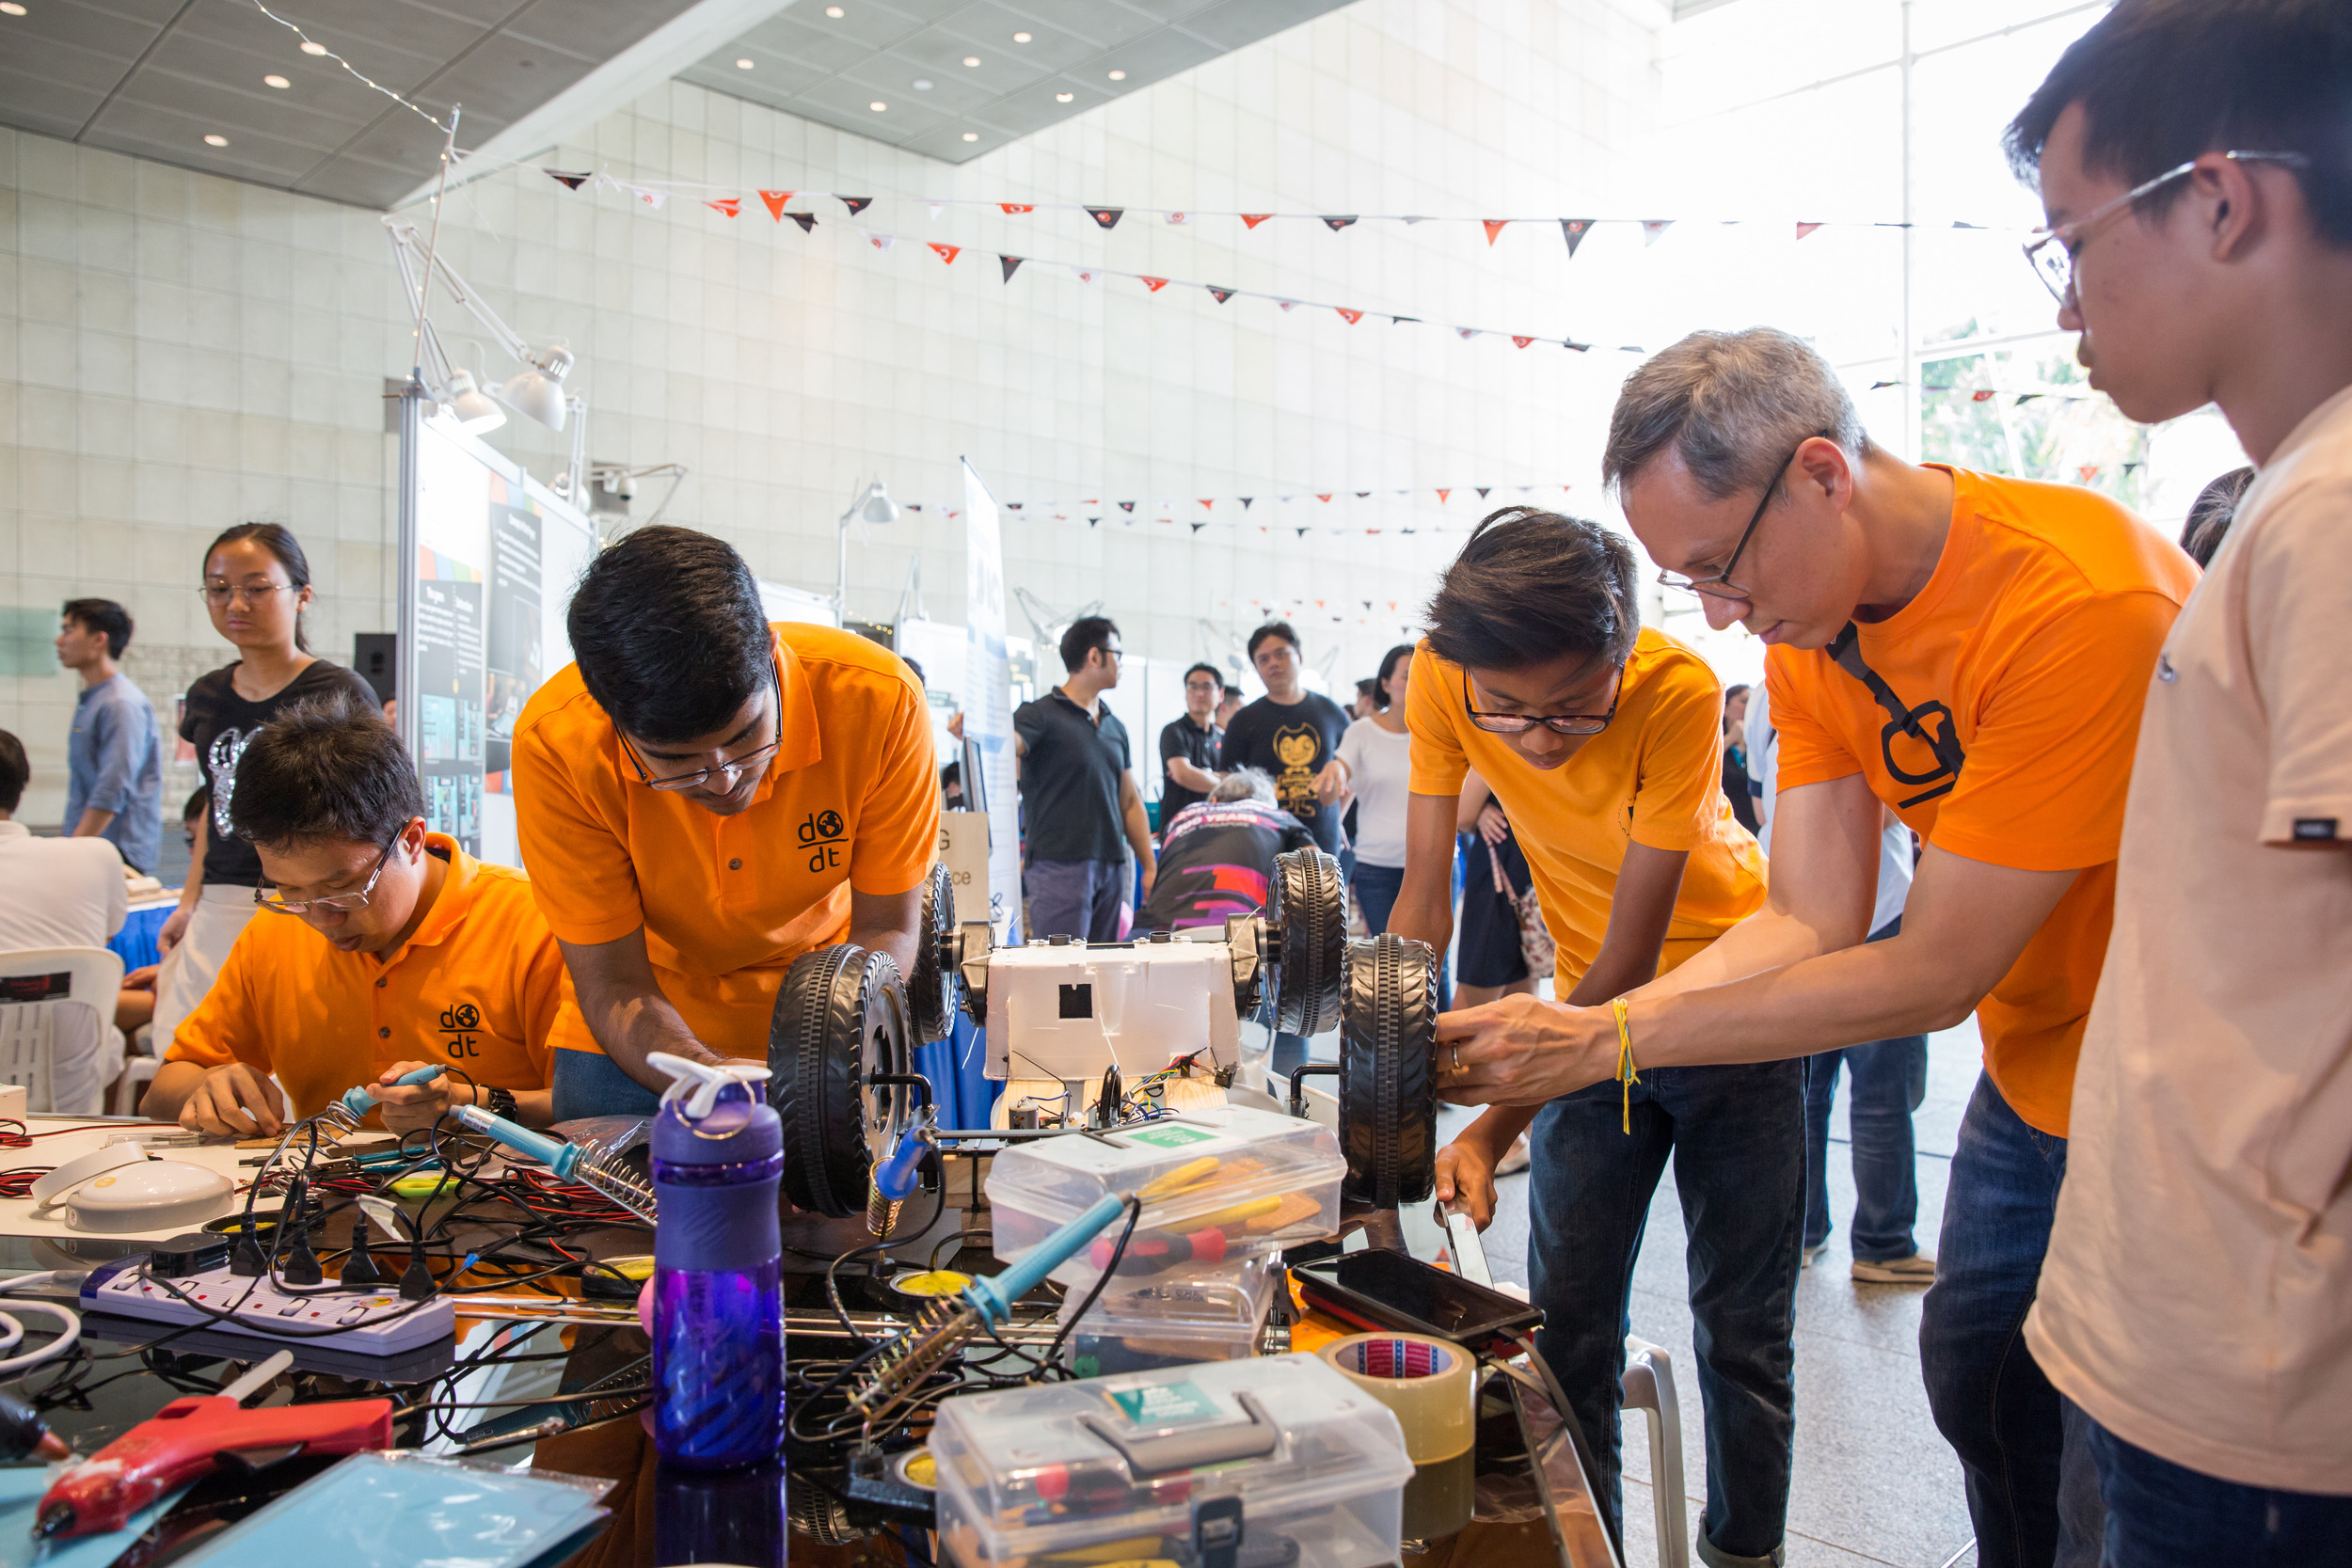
268	898
728	772
2052	256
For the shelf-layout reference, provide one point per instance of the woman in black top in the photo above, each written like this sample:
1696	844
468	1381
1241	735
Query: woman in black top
256	583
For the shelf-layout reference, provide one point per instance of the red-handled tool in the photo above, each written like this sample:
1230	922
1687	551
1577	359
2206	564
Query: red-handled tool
1156	1250
188	1437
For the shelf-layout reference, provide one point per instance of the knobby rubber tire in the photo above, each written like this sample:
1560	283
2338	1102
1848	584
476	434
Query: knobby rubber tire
1306	902
1388	1071
931	991
841	1017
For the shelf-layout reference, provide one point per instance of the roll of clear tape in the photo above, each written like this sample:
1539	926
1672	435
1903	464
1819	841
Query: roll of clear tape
1431	1386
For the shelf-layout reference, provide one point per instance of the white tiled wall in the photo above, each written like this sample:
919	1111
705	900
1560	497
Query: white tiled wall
179	351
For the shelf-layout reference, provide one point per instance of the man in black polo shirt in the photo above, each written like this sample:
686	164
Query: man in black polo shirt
1078	792
1188	744
1290	732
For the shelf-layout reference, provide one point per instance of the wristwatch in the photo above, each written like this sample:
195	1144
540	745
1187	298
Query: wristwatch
499	1102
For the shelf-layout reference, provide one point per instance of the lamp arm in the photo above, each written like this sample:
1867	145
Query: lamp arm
408	248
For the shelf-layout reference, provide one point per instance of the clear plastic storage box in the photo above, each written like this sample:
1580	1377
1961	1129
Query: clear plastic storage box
1186	1315
1218	1185
1278	1461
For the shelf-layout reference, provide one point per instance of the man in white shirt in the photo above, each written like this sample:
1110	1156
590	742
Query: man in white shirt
61	892
1889	1077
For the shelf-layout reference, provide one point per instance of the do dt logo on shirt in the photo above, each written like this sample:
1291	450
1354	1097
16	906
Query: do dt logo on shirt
459	1023
818	829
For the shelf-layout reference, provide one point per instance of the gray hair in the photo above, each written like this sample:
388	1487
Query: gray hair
1245	783
1734	404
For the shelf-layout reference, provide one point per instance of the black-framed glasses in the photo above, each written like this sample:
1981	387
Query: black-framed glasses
2052	256
1720	585
728	772
1559	723
268	899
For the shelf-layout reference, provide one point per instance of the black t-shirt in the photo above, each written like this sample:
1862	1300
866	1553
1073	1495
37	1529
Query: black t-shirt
1070	778
1291	741
219	723
1180	737
1214	860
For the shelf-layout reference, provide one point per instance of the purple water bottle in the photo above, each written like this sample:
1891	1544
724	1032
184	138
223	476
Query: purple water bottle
718	1307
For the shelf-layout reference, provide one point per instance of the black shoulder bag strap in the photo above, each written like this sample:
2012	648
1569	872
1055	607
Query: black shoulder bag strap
1845	649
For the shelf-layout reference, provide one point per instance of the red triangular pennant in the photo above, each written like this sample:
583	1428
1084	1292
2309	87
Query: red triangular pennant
1339	223
1804	228
948	253
1324	495
1253	219
1574	230
563	178
1520	340
1017	206
1982	395
1011	264
1222	295
1108	216
1494	227
731	205
806	220
1154	284
1205	505
855	203
1442	495
2089	471
775	200
1351	317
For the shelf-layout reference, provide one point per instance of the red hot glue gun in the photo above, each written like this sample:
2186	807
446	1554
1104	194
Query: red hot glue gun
190	1436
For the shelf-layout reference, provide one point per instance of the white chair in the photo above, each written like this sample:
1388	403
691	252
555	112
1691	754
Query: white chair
140	1067
1649	1388
34	984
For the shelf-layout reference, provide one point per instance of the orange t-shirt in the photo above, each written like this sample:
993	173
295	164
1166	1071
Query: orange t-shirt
728	902
476	986
1654	776
2033	641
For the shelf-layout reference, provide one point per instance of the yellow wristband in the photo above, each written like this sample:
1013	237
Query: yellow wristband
1627	1075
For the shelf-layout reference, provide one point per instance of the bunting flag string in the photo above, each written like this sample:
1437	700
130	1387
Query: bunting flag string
1167	512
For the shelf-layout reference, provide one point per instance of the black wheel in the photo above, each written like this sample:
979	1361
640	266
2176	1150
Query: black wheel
931	989
840	1021
1307	904
1388	1071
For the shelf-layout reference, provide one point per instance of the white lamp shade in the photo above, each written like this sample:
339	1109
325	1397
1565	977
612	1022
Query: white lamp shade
877	506
476	414
538	392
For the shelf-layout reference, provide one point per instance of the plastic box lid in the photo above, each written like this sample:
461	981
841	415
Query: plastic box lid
1261	1180
1227	1302
1306	1466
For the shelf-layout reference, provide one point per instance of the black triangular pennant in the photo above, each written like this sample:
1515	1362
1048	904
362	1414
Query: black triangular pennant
1197	527
855	203
1246	500
1572	344
574	181
806	220
1011	264
1108	216
1482	491
1091	521
1574	230
1222	294
1301	533
1126	506
1339	223
1400	321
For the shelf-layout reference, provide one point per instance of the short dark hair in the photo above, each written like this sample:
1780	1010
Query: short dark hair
280	541
105	617
327	768
2162	82
14	770
1205	668
1531	587
1272	628
1389	661
917	669
200	800
670	634
1086	634
2211	513
1738	689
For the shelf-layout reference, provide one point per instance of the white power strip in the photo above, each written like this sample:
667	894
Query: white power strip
255	1307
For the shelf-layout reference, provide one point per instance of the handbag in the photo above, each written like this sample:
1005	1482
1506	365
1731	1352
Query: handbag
1535	943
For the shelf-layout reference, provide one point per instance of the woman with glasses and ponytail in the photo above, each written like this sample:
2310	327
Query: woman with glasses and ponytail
256	585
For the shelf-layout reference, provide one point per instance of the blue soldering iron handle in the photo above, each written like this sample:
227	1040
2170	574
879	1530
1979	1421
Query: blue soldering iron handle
895	1177
554	1153
359	1101
994	1296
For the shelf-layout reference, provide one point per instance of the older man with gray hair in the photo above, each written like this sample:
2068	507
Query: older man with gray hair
1215	855
1971	651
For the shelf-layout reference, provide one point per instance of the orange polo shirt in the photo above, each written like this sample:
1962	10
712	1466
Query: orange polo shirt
728	902
477	986
2033	641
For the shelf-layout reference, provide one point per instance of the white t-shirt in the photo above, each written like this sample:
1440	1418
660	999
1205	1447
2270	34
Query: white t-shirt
1895	868
66	892
1379	771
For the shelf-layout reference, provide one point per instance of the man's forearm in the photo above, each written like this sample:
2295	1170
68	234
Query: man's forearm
632	1022
1878	991
1191	777
900	943
1420	916
1767	939
169	1090
93	823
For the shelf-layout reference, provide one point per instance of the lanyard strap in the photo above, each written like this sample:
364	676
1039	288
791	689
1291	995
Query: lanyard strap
1845	649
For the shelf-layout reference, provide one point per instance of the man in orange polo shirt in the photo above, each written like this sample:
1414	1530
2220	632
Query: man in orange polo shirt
1603	742
1973	651
382	948
704	797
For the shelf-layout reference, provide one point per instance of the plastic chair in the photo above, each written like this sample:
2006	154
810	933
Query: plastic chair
1649	1388
34	984
140	1067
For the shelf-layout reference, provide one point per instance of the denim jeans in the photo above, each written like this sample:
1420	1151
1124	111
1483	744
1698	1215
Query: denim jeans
2032	1489
1889	1078
590	1084
1376	891
2162	1515
1076	899
1737	1138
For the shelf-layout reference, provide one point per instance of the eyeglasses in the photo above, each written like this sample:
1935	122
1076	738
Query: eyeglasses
1559	723
729	772
2053	255
269	900
1720	585
218	595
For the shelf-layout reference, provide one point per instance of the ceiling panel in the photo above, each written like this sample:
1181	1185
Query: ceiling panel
828	68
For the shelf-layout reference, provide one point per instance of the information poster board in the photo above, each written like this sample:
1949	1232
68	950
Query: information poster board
988	699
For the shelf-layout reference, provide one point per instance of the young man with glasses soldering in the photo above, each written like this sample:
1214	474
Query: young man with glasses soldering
1604	743
703	797
378	949
1972	651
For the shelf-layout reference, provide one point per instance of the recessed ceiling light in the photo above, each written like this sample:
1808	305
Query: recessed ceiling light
279	82
1119	75
309	48
971	136
971	59
833	11
216	139
1020	38
922	84
11	8
1064	97
878	105
744	64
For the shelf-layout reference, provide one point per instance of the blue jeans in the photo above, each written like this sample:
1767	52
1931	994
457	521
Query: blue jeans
2162	1515
2032	1489
1076	899
1376	890
590	1084
1890	1079
1736	1137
